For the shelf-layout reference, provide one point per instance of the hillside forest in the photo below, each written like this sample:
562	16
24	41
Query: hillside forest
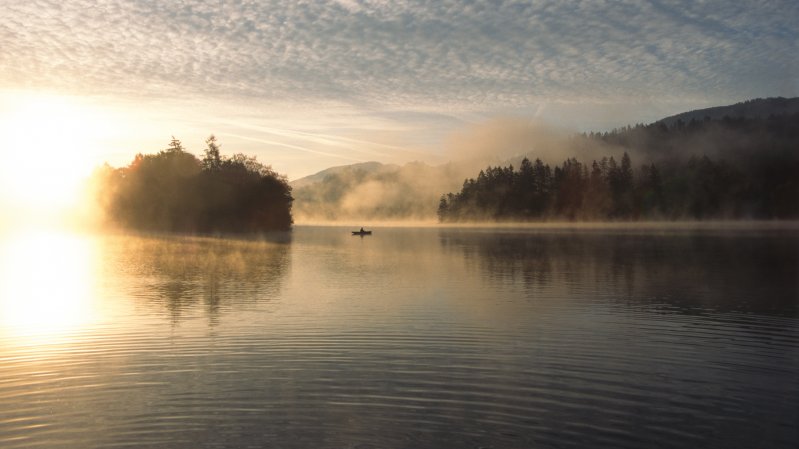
753	174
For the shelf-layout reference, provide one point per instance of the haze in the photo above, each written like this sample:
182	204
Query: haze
309	85
559	245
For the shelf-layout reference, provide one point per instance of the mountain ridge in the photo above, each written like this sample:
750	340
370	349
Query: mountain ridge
754	108
760	108
319	176
748	136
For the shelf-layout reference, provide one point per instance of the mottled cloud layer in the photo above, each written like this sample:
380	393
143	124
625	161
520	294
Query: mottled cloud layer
444	60
478	54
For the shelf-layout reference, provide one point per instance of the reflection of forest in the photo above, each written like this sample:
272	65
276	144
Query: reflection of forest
684	271
183	273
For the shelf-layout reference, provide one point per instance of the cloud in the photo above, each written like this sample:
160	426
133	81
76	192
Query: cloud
399	53
358	79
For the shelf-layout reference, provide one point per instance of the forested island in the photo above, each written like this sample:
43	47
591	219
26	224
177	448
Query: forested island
175	191
749	170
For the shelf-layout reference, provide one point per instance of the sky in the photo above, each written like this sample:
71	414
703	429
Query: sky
305	85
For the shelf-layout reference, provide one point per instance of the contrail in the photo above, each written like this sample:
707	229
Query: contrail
295	147
328	139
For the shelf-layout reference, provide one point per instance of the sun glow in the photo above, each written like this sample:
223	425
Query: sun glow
50	145
47	286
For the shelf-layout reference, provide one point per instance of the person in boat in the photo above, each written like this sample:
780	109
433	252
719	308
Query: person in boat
361	230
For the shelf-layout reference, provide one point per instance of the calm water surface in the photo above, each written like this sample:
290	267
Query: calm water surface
409	338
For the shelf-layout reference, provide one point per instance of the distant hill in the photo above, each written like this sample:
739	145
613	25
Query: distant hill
365	167
730	162
744	134
756	140
759	108
375	192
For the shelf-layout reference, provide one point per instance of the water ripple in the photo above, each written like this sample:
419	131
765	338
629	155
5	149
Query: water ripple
461	360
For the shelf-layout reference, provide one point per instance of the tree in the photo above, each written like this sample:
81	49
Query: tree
597	197
649	192
212	160
623	195
626	173
443	208
174	146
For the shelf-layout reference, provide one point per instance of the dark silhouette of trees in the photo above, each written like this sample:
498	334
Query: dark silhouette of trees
174	191
569	183
623	187
212	161
732	167
536	191
749	166
697	189
649	192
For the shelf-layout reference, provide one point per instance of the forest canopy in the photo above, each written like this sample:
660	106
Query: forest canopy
738	162
753	174
603	190
175	191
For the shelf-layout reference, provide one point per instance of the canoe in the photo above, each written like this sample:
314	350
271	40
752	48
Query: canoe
361	232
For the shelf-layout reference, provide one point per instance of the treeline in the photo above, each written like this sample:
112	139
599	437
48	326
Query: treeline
736	139
703	168
759	156
699	188
750	144
173	190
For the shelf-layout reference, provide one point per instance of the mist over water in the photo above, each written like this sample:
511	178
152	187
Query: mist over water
411	192
739	166
411	337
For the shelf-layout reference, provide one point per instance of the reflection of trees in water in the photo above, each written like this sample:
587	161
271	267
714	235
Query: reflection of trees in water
180	273
505	256
687	271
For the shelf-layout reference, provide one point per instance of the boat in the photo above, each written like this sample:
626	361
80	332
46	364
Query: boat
361	232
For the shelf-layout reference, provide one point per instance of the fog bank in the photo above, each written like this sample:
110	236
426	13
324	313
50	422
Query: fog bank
373	192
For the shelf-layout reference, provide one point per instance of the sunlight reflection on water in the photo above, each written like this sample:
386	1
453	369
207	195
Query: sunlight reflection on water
423	338
47	286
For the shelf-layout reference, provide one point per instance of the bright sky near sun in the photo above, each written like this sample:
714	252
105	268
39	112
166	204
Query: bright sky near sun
306	85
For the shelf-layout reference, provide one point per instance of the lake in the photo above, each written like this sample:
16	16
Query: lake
409	338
